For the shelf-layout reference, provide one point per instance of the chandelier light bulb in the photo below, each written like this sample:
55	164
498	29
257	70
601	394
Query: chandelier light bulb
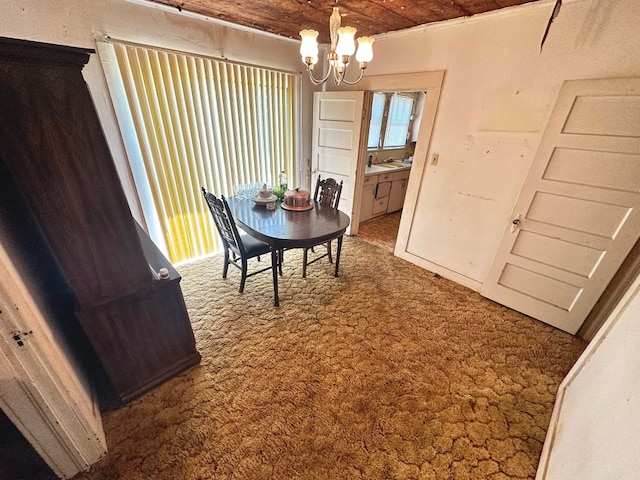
365	49
309	45
346	42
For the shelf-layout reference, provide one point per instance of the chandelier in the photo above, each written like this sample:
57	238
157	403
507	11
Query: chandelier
342	47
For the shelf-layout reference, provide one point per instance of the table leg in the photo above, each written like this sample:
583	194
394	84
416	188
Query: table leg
335	274
274	271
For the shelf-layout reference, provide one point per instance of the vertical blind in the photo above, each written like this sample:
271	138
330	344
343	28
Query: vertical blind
205	122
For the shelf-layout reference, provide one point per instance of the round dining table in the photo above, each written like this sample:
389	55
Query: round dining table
286	229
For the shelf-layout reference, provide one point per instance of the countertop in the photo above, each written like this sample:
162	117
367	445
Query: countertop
377	169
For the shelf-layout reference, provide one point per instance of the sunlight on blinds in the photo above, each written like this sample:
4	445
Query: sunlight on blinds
202	122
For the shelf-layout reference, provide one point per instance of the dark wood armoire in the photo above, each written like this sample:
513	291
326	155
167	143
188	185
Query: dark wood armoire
53	146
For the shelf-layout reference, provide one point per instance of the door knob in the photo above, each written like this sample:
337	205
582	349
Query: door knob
515	223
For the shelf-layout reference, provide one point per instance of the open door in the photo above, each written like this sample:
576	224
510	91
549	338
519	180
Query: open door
578	214
337	125
40	389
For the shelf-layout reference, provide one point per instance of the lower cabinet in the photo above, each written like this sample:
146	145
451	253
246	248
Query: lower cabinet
396	197
380	206
371	206
368	197
142	339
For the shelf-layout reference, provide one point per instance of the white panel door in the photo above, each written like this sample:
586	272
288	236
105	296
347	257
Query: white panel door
40	389
578	214
337	123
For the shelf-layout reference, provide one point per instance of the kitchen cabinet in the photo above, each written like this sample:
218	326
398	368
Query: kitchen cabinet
383	189
396	197
383	193
380	206
368	197
398	190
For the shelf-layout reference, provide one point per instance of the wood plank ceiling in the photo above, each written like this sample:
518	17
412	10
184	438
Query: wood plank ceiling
370	17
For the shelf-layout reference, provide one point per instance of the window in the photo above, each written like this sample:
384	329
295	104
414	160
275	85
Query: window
391	116
395	135
377	113
191	122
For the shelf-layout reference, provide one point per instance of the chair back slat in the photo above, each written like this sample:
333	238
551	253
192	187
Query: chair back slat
224	221
328	192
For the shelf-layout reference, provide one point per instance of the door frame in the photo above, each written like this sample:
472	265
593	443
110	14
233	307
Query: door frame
431	83
42	394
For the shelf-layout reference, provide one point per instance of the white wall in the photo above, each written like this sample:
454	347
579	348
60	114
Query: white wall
498	92
79	23
594	427
497	95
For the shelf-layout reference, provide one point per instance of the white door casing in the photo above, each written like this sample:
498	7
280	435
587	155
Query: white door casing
578	214
431	83
40	390
337	123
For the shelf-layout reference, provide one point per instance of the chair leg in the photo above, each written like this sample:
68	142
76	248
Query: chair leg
329	252
280	260
243	277
225	267
304	262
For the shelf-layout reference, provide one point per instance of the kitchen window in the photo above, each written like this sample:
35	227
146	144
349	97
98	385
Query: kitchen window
391	115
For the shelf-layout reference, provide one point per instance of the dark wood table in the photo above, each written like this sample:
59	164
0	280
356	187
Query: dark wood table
284	229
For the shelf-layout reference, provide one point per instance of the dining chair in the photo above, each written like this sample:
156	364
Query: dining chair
238	247
327	194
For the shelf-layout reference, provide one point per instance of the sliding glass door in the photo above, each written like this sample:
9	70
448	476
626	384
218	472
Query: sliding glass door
190	122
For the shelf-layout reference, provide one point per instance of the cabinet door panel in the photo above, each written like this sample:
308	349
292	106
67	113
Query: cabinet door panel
366	209
396	197
380	206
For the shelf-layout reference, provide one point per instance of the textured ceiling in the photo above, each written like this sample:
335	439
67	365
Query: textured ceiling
370	17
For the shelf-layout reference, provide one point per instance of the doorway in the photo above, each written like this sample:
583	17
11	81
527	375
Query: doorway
431	84
381	231
18	458
45	358
392	133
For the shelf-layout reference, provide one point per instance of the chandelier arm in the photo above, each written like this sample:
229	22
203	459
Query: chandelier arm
344	80
338	76
318	82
